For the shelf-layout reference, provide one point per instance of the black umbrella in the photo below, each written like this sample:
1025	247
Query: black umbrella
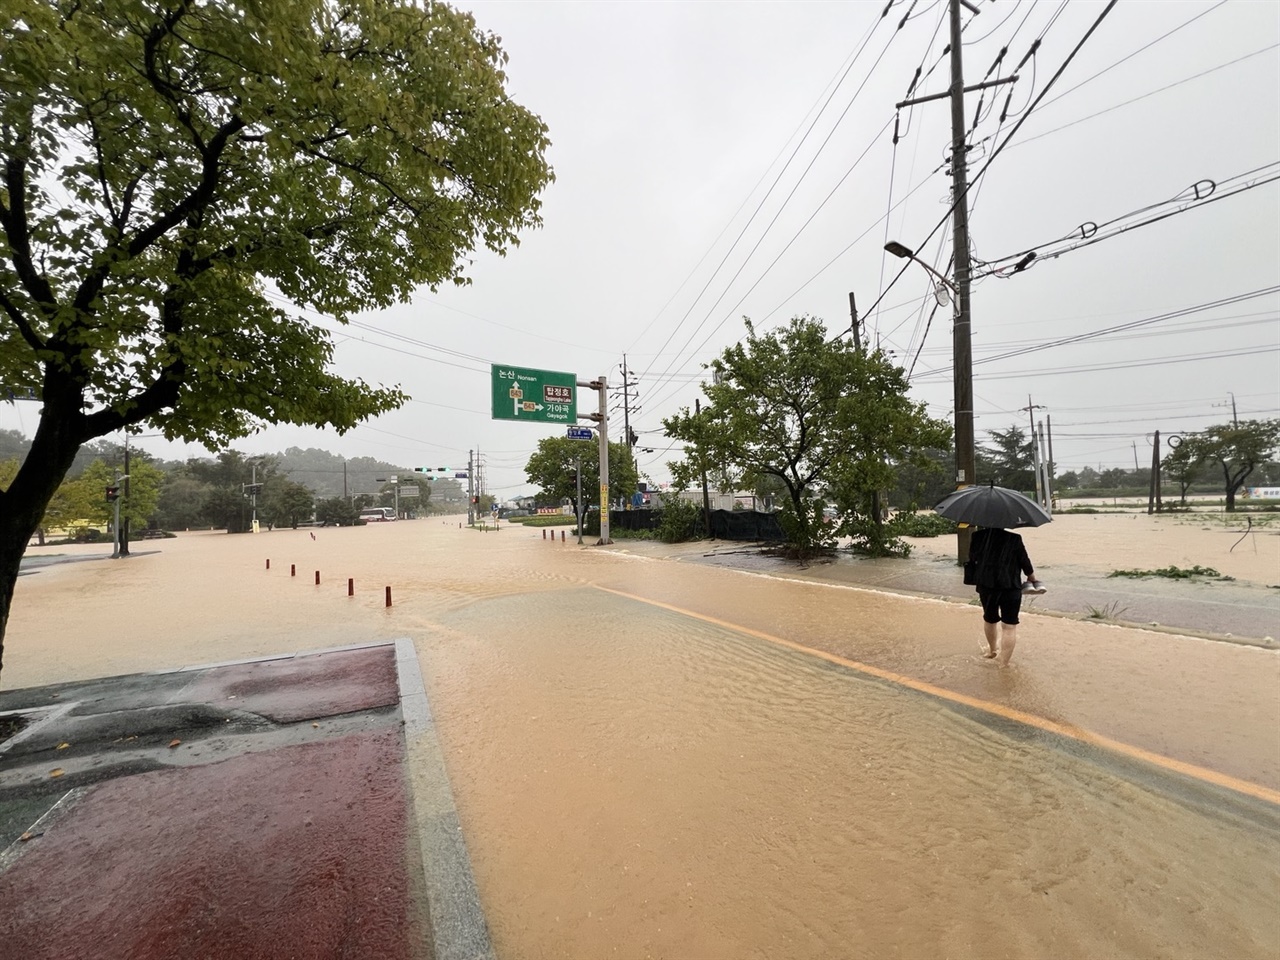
992	506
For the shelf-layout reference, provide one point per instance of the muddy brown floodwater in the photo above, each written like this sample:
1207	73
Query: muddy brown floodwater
644	767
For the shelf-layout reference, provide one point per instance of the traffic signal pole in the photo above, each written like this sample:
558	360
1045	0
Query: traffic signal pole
604	460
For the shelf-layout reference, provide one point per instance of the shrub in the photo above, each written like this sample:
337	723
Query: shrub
922	525
1170	573
680	520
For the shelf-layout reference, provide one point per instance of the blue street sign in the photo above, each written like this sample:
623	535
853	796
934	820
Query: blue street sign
579	433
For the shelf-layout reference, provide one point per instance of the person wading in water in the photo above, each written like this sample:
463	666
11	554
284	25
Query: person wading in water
999	559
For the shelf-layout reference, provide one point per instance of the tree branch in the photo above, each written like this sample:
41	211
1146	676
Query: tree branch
28	332
13	216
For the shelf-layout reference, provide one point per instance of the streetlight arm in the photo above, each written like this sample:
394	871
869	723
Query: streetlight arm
901	250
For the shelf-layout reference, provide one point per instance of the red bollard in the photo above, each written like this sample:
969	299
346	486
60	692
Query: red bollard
317	578
388	596
268	563
293	569
351	586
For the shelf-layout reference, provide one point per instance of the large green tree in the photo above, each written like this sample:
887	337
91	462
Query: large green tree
285	503
814	412
176	175
1009	461
552	468
1237	448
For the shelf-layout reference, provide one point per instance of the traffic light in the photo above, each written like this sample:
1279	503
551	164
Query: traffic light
475	499
113	493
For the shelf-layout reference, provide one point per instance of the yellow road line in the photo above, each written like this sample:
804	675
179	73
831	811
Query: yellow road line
1009	713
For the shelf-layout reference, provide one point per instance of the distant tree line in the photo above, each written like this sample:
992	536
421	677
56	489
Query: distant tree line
214	492
1220	459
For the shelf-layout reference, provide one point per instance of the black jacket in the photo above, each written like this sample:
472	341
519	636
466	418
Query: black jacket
1000	558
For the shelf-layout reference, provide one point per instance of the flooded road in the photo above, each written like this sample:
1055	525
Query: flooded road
644	767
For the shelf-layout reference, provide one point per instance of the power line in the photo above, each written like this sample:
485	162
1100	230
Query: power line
1012	133
1153	362
659	379
834	84
776	180
1198	194
1142	49
1170	86
1078	338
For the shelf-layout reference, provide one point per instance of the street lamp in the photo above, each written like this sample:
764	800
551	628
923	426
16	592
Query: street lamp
944	284
962	366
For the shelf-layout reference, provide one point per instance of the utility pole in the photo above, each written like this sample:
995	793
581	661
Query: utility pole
1153	496
853	322
1030	408
124	530
626	403
1048	425
961	342
1235	419
344	481
1136	468
702	465
471	488
1043	471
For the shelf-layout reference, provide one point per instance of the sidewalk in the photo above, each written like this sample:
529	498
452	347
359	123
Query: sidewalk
1238	611
253	809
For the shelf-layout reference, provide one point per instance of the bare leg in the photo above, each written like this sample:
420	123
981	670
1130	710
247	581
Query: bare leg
1008	640
990	630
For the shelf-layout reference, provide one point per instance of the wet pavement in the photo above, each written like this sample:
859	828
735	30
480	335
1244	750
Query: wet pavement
1204	606
657	753
258	809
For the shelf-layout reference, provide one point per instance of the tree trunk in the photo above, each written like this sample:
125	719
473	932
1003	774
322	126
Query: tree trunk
22	506
19	521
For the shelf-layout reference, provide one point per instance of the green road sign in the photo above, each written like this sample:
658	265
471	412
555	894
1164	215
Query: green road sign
539	396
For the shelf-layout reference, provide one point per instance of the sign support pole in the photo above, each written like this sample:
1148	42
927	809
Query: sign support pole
578	502
603	386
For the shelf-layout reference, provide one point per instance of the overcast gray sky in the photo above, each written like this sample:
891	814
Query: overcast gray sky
671	121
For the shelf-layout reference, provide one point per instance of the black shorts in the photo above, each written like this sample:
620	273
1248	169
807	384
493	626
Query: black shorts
1000	605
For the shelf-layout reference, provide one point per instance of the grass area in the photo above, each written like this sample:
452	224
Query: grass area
545	520
1173	573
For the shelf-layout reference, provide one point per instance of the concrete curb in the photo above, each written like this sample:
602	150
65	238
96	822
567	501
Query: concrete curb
458	927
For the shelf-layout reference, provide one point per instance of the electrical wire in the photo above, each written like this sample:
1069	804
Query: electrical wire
1131	365
684	348
1142	49
1170	86
832	84
1089	238
1132	325
1012	133
857	55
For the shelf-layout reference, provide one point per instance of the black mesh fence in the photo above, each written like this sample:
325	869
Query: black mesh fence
725	524
745	525
635	519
